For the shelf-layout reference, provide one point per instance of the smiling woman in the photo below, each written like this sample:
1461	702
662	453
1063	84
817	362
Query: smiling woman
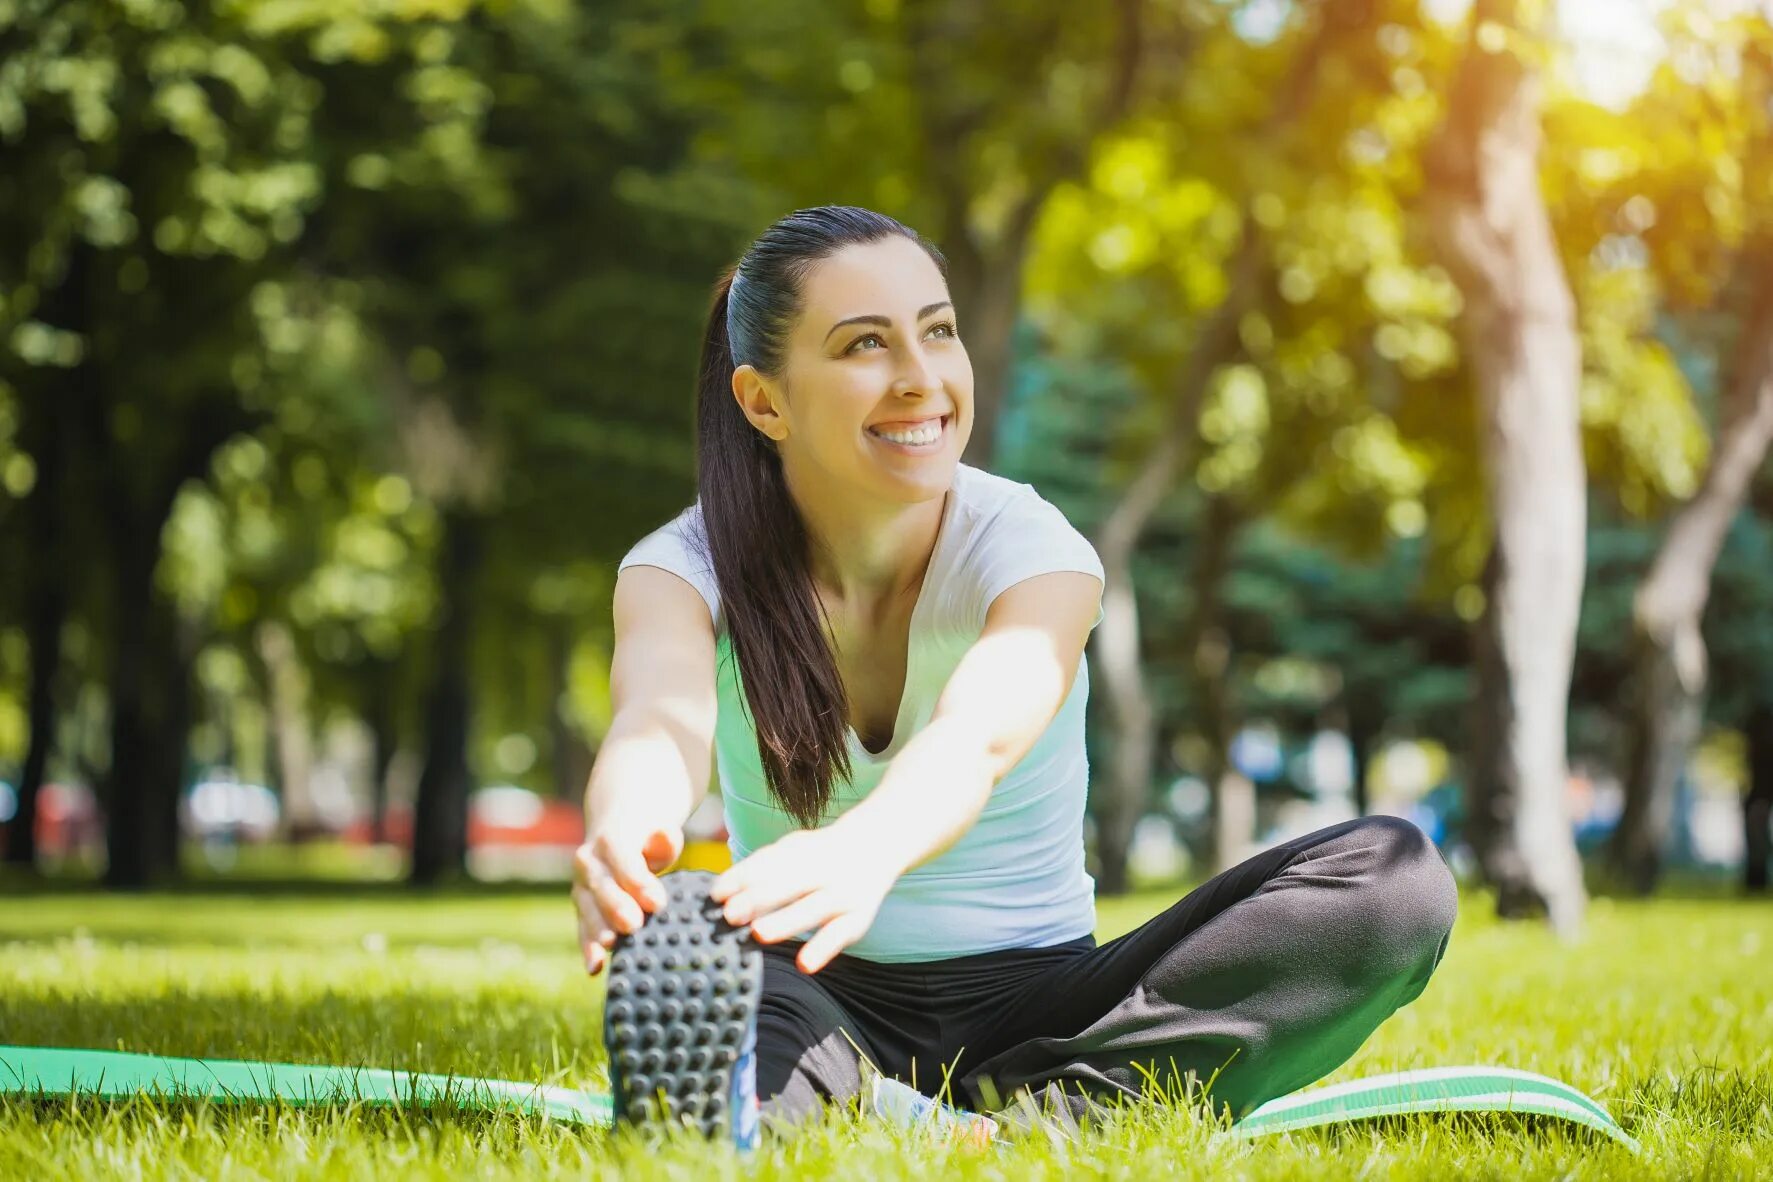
840	412
880	648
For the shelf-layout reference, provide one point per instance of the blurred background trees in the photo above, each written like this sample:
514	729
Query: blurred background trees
1408	363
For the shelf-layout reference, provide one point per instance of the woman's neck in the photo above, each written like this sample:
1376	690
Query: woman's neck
869	554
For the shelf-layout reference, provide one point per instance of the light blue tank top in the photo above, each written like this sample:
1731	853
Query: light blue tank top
1016	878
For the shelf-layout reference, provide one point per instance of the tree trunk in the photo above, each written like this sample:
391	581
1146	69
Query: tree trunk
292	740
150	666
989	287
1519	331
1115	651
46	610
150	661
384	741
150	716
43	634
1116	660
1757	807
1208	652
1365	724
440	813
1668	702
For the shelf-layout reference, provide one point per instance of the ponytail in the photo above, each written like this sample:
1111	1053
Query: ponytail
758	550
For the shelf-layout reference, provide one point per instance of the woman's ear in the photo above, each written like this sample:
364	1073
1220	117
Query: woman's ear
758	399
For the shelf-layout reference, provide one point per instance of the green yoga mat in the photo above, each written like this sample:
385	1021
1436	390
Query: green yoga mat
54	1071
1432	1089
116	1075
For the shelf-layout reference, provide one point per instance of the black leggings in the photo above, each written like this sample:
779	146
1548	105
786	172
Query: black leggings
1271	974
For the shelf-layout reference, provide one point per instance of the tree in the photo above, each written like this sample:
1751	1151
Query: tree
1670	664
533	309
48	603
156	173
1489	219
1203	242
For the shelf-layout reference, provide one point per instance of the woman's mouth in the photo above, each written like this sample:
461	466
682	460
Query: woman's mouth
926	437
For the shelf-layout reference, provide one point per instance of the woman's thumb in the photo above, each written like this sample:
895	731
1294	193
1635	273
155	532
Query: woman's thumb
662	848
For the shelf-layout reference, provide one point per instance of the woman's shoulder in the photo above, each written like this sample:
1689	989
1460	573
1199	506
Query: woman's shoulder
985	495
997	503
1012	533
680	546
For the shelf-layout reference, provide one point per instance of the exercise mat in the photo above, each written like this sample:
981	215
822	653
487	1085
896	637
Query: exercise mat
117	1075
55	1071
1432	1089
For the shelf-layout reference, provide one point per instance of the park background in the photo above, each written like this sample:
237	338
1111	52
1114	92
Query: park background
1410	367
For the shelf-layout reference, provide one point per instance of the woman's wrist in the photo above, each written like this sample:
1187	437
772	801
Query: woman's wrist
877	848
930	795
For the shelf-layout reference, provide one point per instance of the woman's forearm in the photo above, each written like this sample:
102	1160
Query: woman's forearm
644	760
931	794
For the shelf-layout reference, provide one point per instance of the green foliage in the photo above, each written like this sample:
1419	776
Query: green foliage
305	280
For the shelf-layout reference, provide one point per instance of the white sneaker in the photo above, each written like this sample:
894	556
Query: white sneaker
905	1106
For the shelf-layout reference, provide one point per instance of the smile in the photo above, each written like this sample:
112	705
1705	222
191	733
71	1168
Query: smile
922	438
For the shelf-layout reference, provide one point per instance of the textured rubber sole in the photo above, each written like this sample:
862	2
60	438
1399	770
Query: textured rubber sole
683	994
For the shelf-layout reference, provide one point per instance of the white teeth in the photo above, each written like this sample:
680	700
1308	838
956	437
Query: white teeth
927	434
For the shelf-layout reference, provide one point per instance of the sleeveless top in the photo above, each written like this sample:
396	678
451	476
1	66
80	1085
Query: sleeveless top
1016	877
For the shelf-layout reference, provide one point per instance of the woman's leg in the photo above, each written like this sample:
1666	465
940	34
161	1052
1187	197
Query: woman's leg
805	1052
1271	974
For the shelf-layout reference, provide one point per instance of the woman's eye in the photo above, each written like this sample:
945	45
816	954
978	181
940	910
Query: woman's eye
875	337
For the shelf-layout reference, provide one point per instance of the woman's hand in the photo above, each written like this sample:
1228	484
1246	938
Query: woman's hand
811	878
615	881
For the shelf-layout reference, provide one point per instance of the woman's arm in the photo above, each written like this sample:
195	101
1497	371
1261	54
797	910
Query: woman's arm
1006	690
653	766
1000	698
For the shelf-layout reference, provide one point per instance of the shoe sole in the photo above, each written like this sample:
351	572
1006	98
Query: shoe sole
683	994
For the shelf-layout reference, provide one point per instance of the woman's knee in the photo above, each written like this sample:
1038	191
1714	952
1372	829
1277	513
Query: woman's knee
807	1049
1410	897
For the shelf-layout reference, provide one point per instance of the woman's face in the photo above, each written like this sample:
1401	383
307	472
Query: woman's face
875	353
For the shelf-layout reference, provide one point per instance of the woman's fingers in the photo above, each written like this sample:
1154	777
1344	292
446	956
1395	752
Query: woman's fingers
767	895
828	941
627	865
661	848
589	922
735	878
760	866
605	897
805	912
617	906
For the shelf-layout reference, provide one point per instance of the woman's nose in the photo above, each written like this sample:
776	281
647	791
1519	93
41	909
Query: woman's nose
917	374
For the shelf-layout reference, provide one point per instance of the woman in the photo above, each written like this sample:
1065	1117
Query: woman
902	760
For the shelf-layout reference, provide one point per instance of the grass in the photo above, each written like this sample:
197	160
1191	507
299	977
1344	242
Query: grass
1663	1012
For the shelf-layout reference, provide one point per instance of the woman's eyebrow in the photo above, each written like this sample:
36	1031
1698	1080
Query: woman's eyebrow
885	322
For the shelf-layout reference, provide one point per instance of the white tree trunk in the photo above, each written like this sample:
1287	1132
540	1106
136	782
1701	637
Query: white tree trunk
1116	659
1668	702
1519	331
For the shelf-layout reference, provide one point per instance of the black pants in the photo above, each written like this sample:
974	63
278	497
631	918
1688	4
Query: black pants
1270	974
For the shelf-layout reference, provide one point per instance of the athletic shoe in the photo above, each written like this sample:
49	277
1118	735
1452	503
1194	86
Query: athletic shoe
903	1105
680	1019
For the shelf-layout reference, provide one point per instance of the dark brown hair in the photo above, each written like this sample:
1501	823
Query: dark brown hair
757	542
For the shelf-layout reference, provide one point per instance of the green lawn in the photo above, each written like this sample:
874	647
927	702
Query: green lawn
1663	1012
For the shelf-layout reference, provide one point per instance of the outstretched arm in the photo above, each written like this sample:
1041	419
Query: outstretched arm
1003	694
